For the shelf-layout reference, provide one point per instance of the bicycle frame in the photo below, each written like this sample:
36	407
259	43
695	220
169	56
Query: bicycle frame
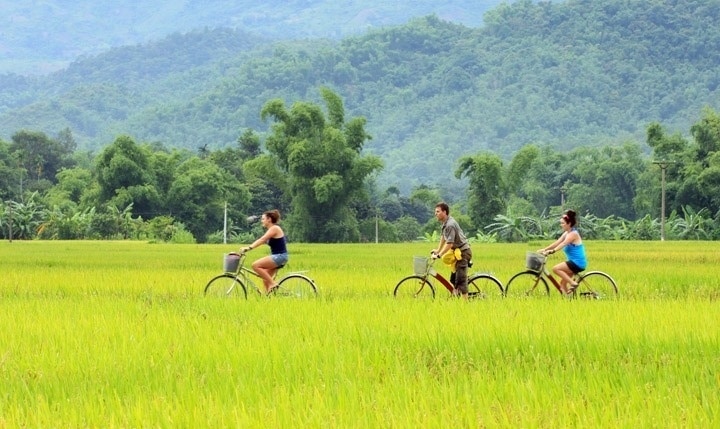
431	272
244	273
544	272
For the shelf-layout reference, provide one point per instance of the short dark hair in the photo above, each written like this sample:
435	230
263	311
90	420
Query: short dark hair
444	207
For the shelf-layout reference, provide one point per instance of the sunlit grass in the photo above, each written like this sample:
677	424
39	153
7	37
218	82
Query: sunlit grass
119	335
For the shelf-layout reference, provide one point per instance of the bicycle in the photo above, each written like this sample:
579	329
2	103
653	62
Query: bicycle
533	281
237	277
426	279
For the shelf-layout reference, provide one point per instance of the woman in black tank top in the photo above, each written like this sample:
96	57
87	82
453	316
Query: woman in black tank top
267	266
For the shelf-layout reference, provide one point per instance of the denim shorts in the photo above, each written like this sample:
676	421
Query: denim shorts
280	259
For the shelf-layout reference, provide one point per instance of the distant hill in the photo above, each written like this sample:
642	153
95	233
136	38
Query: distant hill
38	37
561	74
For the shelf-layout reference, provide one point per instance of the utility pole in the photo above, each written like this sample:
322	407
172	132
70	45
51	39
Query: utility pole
563	189
225	224
377	227
663	166
10	220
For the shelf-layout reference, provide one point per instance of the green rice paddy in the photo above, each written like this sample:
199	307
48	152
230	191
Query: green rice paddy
118	334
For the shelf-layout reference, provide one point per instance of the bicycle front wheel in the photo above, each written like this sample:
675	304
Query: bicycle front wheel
225	285
296	286
596	285
483	286
527	283
414	287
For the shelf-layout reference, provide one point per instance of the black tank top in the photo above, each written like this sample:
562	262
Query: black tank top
277	245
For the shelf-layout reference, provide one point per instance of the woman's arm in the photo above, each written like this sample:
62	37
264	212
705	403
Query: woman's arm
564	240
557	245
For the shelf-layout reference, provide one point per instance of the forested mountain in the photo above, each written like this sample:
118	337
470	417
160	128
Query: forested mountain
42	36
563	74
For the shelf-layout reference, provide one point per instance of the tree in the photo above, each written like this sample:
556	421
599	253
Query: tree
121	165
408	228
249	144
67	141
10	174
605	181
519	167
40	156
486	187
198	194
664	147
706	134
73	182
322	156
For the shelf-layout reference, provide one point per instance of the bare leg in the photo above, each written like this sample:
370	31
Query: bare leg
565	274
266	268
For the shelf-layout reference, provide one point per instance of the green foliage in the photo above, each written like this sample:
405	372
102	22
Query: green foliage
11	174
408	228
182	236
197	196
691	225
660	336
324	164
486	188
71	225
513	230
22	220
432	91
40	156
121	165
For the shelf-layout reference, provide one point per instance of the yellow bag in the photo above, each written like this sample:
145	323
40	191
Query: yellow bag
450	258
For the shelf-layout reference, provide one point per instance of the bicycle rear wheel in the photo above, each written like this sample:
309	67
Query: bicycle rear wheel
527	283
596	285
416	287
484	286
225	285
295	286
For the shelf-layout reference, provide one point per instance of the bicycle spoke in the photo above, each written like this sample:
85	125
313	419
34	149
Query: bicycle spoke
484	286
527	283
295	286
415	287
225	285
597	285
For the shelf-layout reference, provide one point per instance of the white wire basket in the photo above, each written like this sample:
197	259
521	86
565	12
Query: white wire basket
420	265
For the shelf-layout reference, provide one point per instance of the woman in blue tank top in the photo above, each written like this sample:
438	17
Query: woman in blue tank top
267	266
571	242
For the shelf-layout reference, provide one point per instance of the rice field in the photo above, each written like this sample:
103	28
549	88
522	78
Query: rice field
118	335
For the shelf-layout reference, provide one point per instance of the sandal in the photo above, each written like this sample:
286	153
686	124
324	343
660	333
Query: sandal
571	289
272	289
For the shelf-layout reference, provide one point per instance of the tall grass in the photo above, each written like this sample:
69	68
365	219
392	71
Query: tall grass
117	334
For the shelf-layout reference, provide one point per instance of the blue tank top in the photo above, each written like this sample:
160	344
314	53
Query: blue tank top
277	245
576	254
